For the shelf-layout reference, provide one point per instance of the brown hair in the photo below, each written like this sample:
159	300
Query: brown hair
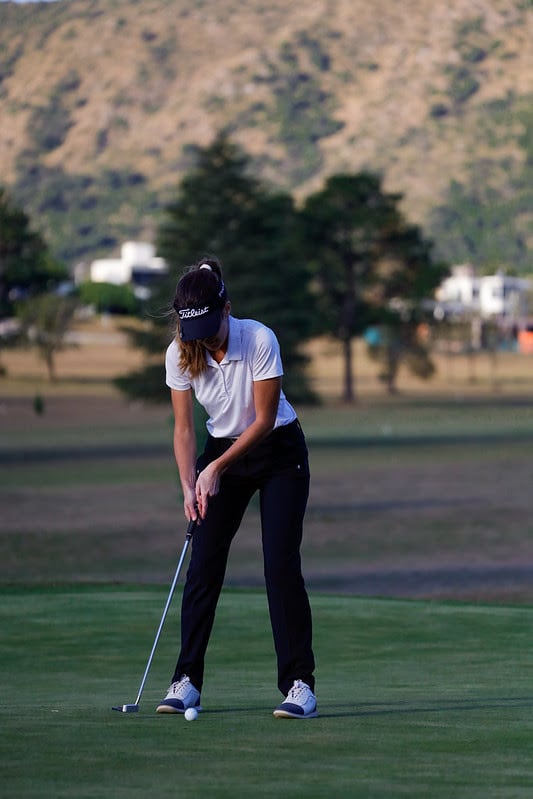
198	286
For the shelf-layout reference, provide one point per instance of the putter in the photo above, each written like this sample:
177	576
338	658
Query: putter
133	708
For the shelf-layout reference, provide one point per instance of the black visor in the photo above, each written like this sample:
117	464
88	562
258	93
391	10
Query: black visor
199	323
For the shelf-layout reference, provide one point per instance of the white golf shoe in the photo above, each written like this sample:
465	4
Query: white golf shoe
180	696
299	704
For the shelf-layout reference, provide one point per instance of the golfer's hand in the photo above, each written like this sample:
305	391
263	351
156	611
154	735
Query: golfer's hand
207	485
189	504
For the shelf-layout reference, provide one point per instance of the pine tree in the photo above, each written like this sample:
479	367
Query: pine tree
221	209
26	267
369	264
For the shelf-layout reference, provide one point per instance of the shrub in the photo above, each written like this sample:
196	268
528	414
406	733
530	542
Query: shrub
109	298
463	85
49	125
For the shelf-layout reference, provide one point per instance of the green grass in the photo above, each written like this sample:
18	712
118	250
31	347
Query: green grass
89	471
389	420
40	433
416	699
382	420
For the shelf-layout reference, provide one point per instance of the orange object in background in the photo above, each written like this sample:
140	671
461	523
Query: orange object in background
525	340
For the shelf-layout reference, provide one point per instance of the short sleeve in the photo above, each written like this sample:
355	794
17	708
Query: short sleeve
175	378
266	360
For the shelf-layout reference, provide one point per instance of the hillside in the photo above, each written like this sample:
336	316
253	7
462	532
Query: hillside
101	100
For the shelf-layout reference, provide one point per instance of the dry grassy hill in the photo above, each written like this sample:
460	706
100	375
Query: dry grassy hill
100	101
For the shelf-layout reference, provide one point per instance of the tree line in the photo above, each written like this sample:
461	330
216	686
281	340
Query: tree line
343	262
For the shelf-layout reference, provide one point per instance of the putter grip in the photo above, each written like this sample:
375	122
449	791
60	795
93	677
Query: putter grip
190	527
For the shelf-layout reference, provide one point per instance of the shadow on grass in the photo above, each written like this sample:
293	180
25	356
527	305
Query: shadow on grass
368	709
438	706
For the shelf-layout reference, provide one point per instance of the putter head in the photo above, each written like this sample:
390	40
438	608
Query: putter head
127	709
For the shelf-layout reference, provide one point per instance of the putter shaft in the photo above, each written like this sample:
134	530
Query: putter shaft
133	708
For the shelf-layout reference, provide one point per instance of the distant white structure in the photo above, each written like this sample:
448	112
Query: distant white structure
109	270
137	266
497	295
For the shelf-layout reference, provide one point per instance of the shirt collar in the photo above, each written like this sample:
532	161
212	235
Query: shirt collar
234	351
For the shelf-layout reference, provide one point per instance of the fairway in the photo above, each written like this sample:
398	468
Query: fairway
408	498
416	699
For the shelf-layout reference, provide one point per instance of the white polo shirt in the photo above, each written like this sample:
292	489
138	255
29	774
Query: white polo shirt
225	389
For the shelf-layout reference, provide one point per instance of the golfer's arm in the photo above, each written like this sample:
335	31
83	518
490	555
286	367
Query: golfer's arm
184	439
266	402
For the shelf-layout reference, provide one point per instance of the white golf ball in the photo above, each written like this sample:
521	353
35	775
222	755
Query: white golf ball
191	714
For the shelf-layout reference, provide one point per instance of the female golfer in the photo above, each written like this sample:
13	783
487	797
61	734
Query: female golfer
255	443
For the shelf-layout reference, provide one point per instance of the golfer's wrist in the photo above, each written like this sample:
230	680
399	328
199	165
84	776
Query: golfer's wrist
189	491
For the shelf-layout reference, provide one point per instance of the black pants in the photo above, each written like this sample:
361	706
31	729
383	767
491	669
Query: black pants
277	468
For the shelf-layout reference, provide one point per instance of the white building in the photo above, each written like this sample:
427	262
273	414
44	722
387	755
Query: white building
497	295
109	270
138	265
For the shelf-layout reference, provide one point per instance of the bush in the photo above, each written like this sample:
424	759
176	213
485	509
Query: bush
146	384
109	298
463	85
49	125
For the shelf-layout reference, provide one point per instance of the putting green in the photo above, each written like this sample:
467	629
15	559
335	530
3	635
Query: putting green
416	699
